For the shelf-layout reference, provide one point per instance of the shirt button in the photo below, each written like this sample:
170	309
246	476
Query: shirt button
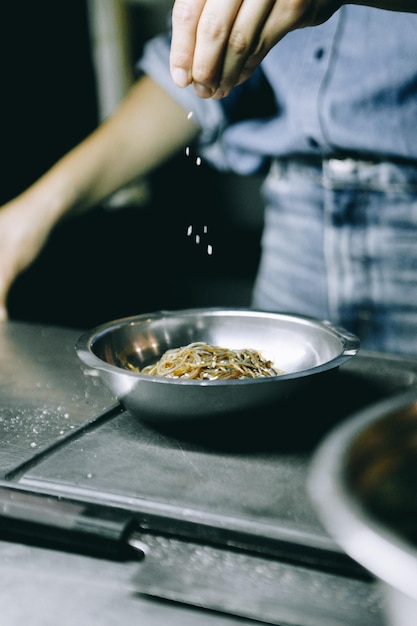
313	143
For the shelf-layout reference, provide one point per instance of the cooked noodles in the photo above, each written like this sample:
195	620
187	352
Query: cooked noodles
201	361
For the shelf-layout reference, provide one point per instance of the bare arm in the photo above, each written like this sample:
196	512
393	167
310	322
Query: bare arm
217	44
147	128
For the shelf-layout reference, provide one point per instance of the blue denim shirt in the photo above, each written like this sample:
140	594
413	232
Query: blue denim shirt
345	88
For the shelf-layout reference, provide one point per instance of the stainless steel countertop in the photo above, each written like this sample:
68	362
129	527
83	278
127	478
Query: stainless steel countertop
44	398
44	395
50	588
54	427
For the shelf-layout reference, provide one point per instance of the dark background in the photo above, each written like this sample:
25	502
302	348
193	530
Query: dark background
110	263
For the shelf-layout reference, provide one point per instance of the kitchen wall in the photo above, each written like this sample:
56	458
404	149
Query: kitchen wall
138	257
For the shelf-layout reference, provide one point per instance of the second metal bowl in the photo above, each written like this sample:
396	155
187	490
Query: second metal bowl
363	483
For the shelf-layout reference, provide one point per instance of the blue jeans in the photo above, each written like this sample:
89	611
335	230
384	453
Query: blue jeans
340	243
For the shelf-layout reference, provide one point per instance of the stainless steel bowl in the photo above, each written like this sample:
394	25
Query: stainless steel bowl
303	347
363	482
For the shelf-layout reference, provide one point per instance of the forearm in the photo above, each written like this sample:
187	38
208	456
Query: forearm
147	128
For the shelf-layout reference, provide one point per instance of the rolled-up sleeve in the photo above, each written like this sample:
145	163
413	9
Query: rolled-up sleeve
315	94
207	114
224	124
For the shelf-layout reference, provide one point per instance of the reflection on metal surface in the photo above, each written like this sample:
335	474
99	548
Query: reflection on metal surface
249	586
233	490
44	396
363	483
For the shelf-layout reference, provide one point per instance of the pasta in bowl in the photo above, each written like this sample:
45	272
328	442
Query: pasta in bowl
201	361
213	361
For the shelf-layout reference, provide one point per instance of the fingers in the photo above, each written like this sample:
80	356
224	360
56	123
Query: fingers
201	29
215	34
22	236
3	313
247	45
3	299
200	32
217	42
185	18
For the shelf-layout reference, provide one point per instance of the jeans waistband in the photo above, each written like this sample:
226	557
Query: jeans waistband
345	172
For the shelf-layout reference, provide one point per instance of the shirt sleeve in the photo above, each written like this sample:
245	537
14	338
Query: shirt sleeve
220	121
207	114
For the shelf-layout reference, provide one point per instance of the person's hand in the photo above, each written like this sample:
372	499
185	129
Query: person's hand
22	237
218	44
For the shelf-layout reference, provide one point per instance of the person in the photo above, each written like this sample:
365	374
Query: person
328	113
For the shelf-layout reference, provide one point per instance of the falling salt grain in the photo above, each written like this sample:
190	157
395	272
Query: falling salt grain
198	161
205	229
197	238
189	116
189	231
187	151
209	249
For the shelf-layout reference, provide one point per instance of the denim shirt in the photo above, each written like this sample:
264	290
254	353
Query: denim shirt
346	88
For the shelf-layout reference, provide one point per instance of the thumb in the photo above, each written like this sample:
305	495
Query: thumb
3	313
3	308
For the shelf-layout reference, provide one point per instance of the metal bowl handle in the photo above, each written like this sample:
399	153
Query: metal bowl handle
351	341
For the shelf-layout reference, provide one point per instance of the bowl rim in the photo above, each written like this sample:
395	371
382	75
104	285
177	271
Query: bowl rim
357	531
350	345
